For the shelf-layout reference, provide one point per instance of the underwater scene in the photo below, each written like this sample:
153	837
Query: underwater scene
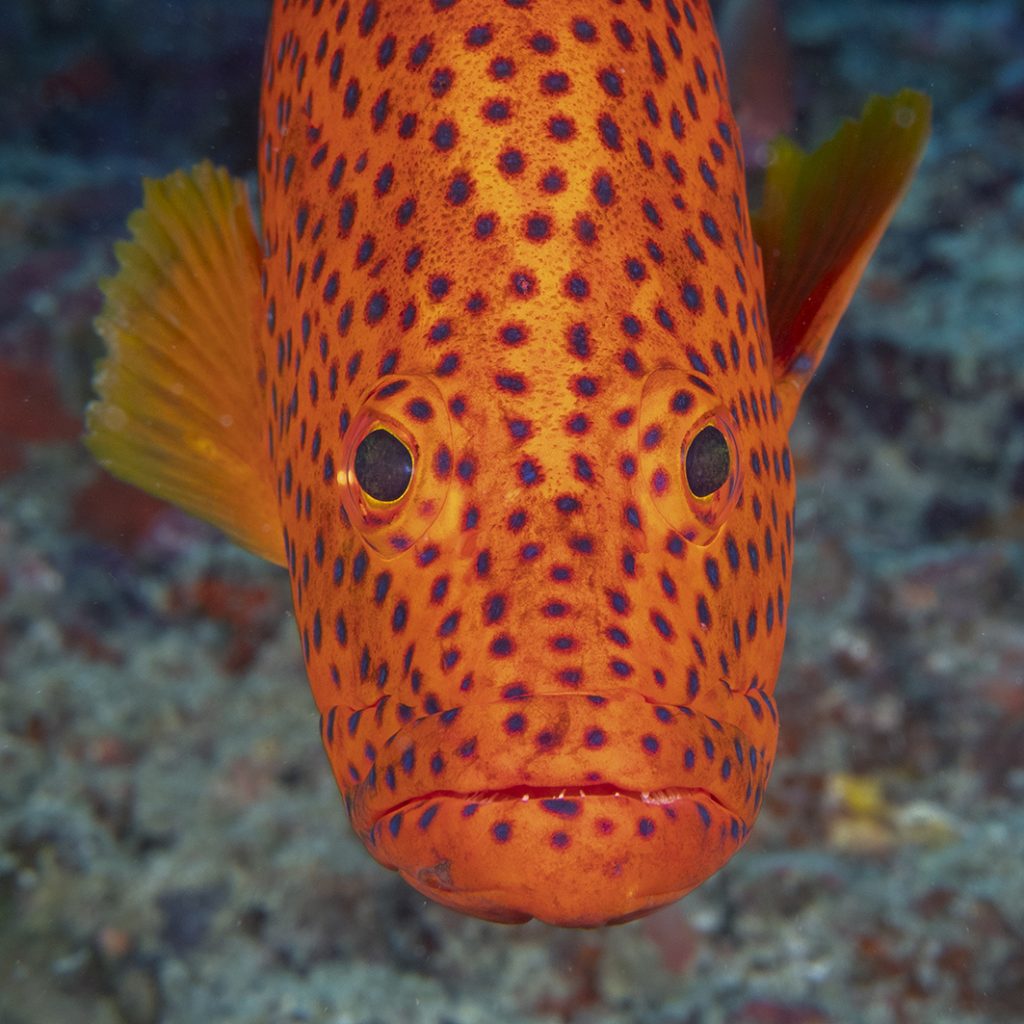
670	654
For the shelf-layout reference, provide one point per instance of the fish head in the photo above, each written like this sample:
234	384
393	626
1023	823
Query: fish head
559	629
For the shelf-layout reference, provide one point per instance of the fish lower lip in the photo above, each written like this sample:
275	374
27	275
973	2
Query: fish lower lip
524	794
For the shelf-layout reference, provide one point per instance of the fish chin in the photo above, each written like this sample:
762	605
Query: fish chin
587	858
575	810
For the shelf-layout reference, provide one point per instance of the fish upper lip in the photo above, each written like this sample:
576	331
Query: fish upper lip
496	771
524	794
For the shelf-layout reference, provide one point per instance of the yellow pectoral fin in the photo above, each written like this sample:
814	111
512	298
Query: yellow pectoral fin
180	411
822	217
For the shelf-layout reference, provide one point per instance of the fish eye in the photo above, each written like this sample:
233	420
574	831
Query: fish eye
383	466
707	462
689	459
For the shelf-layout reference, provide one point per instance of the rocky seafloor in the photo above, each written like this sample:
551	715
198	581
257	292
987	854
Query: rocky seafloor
172	848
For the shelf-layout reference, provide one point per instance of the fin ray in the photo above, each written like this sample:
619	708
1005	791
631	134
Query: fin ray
822	216
180	406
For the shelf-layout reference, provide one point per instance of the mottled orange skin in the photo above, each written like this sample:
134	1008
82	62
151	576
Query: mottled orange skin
549	627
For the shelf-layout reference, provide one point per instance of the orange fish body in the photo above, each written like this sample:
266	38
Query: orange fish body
511	414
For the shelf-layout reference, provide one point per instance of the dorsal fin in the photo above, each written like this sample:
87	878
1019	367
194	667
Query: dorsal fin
822	217
180	411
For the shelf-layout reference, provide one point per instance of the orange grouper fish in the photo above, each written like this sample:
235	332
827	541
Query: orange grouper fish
504	378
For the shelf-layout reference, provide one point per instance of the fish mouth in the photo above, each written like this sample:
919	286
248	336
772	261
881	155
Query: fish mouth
578	811
666	797
563	746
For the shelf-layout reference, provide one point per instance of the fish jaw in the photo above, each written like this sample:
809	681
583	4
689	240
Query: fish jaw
598	868
643	801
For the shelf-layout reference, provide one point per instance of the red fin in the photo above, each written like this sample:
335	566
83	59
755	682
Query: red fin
822	216
180	412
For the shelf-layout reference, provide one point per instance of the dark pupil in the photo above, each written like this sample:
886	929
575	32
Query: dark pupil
707	462
383	466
